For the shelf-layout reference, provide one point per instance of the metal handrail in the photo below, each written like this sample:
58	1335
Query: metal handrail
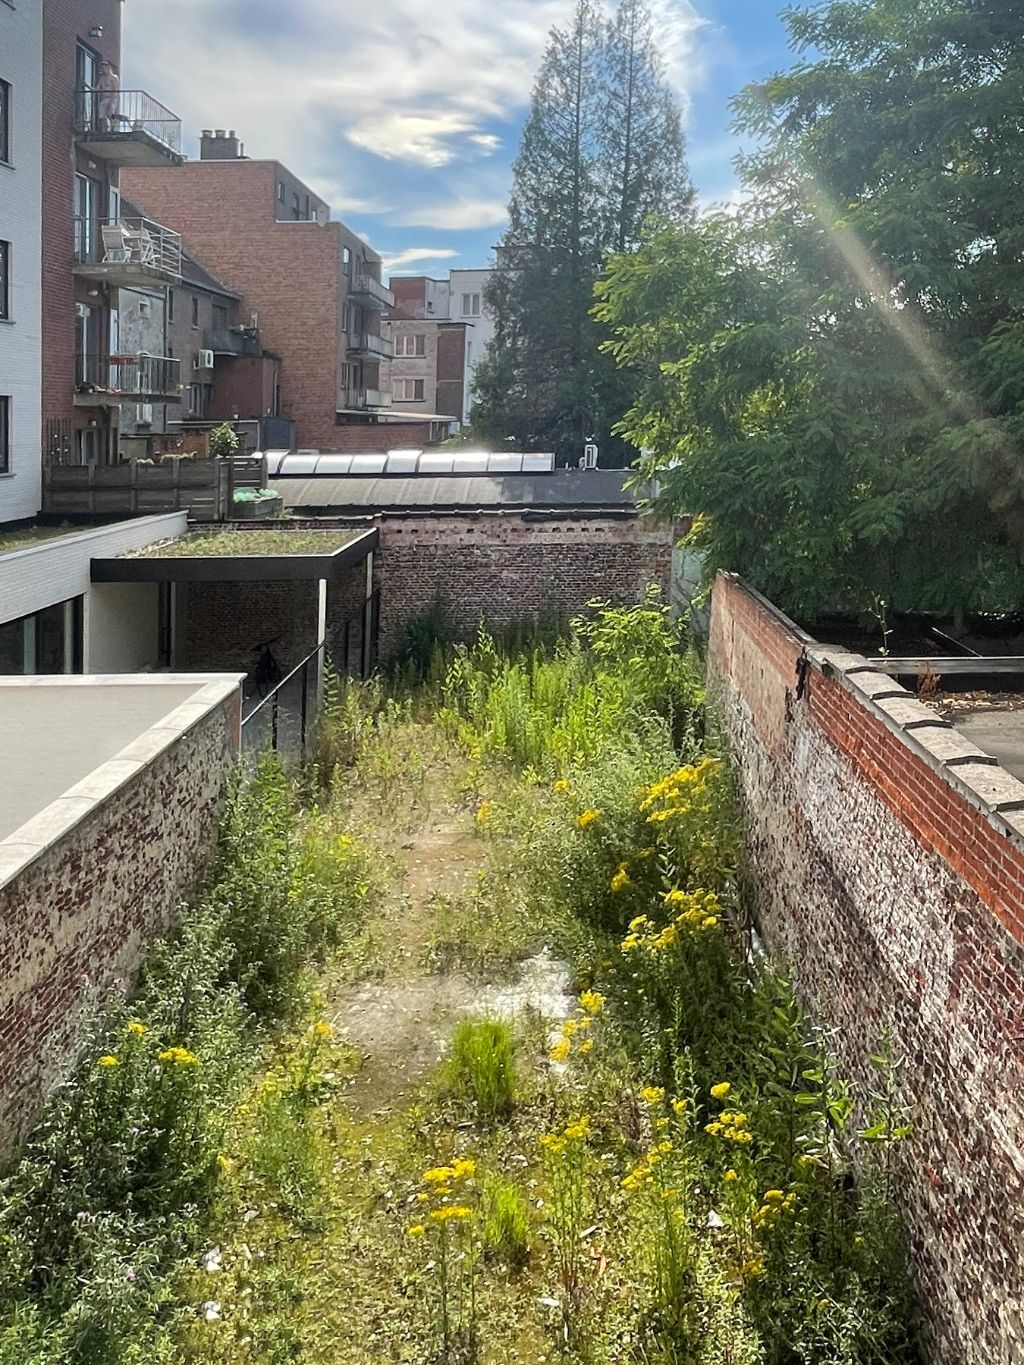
123	112
284	681
145	374
127	240
372	288
372	344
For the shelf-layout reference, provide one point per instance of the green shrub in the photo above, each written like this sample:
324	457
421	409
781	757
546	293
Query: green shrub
506	1222
481	1068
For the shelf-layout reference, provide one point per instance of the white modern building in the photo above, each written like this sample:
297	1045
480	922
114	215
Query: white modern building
467	302
21	57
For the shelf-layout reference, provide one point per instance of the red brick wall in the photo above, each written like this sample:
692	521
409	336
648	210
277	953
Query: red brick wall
410	293
380	436
223	621
451	369
243	386
889	853
288	272
82	914
64	22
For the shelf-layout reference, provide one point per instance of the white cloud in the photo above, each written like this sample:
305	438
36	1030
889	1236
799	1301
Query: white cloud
487	141
415	255
456	215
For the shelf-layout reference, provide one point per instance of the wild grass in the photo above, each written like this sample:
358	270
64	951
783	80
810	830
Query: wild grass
506	1231
482	1069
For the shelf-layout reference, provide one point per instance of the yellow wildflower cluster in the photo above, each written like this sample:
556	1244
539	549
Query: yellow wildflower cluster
135	1027
108	1060
694	909
573	1133
720	1090
484	814
563	786
652	1094
753	1269
773	1206
587	817
643	1173
621	877
700	912
322	1029
676	794
730	1128
438	1183
592	1002
179	1056
570	1039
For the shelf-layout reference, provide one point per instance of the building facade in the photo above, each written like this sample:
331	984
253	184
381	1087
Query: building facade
21	42
310	284
92	130
440	331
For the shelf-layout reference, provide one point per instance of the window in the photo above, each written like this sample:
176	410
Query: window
346	260
409	390
306	214
49	641
296	207
195	310
5	435
199	397
411	345
170	305
471	305
280	191
87	73
5	121
87	215
220	317
5	279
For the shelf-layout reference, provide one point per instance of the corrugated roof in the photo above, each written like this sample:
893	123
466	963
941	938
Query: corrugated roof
561	490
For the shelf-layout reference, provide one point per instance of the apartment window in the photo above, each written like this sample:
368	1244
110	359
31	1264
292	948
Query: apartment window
5	435
199	397
49	641
346	260
346	317
296	208
280	191
471	305
220	317
411	345
306	214
409	390
5	279
195	310
170	305
5	121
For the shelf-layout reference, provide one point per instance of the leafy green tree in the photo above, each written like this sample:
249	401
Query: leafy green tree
601	149
834	377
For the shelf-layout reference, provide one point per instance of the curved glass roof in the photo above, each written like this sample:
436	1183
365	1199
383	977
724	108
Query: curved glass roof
408	463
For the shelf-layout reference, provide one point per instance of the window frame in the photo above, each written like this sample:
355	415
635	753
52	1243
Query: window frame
419	391
5	281
195	312
5	433
6	124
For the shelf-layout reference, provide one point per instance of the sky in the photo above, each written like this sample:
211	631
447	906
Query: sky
405	115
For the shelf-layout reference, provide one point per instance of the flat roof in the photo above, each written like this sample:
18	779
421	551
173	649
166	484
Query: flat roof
563	490
241	556
56	733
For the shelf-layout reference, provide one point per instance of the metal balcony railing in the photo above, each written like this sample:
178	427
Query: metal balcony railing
369	398
232	341
128	114
368	290
127	245
137	378
370	344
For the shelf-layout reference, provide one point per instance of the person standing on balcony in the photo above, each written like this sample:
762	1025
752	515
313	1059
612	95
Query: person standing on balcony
107	88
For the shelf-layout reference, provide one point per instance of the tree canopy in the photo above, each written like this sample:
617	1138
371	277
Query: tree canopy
833	376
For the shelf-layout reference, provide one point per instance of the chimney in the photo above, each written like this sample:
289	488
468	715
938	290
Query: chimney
220	146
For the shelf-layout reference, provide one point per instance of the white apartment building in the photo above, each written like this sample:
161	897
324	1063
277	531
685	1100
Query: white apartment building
467	303
21	58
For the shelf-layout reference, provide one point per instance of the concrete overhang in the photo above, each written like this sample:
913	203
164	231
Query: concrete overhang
239	567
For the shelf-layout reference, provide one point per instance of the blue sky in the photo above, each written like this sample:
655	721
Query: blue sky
406	115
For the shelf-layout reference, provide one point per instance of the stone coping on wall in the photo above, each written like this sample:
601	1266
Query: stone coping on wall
978	777
29	841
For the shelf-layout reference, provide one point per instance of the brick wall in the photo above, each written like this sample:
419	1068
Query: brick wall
889	854
243	386
288	272
223	621
81	914
383	436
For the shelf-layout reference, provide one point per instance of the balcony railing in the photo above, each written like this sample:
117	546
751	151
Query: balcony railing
105	379
371	293
127	125
232	341
369	398
127	250
370	344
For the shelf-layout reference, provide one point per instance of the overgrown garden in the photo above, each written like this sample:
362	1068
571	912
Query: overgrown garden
653	1161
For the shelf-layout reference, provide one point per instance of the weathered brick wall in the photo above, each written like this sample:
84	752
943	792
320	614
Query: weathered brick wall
512	568
224	621
80	916
889	854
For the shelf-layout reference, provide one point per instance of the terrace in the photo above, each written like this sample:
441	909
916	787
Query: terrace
127	252
128	127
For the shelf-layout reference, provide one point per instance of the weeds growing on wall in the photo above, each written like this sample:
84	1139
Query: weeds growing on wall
119	1178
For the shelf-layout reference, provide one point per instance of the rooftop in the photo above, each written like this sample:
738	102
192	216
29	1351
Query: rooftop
126	718
599	490
232	543
240	557
28	536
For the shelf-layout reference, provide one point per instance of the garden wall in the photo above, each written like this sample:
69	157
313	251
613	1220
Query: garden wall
92	879
889	854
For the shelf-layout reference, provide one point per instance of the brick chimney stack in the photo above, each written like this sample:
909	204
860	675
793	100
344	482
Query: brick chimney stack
220	146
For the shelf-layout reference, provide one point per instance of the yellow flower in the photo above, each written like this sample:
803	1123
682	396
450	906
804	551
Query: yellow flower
463	1168
450	1211
620	880
592	1002
630	942
560	1051
552	1142
136	1028
225	1165
484	812
569	1027
179	1056
710	922
584	1047
322	1028
575	1131
652	1094
563	786
636	925
720	1090
773	1196
588	817
730	1175
422	1198
438	1175
417	1230
108	1060
680	1108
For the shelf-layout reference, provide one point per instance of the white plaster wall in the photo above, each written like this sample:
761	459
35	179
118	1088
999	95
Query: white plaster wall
121	628
481	333
21	48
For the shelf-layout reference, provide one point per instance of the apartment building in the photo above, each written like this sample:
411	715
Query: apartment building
21	41
93	130
440	330
311	285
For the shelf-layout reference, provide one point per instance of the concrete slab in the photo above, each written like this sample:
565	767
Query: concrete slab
999	733
53	736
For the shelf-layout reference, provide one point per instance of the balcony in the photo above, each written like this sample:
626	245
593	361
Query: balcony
232	341
368	292
368	399
107	380
127	252
370	346
128	127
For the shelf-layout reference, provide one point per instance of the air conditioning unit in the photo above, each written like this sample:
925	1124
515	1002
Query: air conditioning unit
204	360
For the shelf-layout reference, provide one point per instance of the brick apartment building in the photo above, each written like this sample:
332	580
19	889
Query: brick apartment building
91	131
21	36
311	284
